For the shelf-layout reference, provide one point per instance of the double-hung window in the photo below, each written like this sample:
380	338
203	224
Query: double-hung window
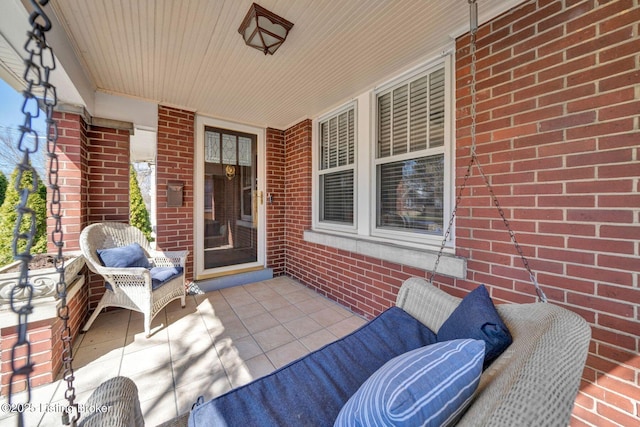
336	171
383	170
409	156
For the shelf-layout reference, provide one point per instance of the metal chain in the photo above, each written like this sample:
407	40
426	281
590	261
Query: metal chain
472	47
512	234
453	216
472	51
38	66
474	159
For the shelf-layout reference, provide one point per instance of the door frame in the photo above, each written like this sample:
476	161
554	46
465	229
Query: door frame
198	205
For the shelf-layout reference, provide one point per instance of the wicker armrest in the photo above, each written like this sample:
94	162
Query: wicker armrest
428	304
169	258
132	276
119	403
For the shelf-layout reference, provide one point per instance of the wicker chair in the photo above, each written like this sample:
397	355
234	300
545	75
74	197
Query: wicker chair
131	287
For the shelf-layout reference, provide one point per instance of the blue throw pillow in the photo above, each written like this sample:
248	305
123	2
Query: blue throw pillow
429	386
477	318
124	256
161	275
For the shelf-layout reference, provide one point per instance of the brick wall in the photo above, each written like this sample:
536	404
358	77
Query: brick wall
94	180
72	179
175	160
558	134
275	211
108	174
45	344
40	335
297	198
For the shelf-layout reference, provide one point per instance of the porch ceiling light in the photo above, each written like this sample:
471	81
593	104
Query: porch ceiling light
264	30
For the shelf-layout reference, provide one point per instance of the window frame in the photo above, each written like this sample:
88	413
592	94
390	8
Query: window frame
318	171
446	149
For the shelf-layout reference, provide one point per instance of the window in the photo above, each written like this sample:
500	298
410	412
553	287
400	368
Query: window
410	155
383	169
336	169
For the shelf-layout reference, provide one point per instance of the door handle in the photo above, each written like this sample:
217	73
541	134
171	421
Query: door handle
259	196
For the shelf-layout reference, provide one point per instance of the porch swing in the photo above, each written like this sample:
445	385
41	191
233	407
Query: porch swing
534	382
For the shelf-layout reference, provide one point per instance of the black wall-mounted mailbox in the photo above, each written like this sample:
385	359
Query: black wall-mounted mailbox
175	189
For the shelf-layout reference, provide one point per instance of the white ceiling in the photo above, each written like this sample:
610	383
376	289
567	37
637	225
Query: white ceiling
189	53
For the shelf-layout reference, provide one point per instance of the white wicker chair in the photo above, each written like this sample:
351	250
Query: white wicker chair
131	287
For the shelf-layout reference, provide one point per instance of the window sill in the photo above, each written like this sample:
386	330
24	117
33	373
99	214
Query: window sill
423	259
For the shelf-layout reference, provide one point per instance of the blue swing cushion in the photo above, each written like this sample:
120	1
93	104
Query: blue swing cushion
312	390
477	318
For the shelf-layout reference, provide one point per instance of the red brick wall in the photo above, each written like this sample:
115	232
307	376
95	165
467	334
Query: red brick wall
46	346
108	174
175	161
275	211
558	134
94	181
72	179
297	198
40	338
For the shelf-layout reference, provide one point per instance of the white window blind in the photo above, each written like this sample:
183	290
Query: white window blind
410	154
337	169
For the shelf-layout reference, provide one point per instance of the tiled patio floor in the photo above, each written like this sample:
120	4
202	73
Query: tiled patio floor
219	341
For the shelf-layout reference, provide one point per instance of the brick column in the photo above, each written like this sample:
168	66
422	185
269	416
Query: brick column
275	212
297	180
72	177
175	160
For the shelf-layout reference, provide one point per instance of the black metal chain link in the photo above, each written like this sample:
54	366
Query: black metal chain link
474	160
39	64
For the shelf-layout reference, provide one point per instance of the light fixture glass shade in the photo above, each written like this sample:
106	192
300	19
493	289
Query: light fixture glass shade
264	30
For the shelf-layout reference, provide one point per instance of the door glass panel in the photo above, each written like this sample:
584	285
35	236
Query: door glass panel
230	226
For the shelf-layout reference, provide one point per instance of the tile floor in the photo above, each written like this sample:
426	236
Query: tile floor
219	341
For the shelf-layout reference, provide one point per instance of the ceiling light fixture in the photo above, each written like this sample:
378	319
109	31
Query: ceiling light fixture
264	30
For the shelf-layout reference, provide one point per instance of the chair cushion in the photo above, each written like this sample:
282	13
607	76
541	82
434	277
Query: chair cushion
161	275
477	318
429	386
124	256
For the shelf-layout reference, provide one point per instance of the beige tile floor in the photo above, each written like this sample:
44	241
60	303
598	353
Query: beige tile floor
219	341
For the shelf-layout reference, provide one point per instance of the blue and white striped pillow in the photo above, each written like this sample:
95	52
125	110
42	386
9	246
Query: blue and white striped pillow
429	386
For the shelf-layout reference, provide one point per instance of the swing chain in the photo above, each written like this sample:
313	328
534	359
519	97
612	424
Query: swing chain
472	47
474	159
473	29
512	233
38	66
451	220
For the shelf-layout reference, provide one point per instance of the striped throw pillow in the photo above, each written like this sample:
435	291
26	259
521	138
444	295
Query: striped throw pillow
429	386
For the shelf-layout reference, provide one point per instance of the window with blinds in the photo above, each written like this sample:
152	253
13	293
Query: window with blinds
337	168
410	154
